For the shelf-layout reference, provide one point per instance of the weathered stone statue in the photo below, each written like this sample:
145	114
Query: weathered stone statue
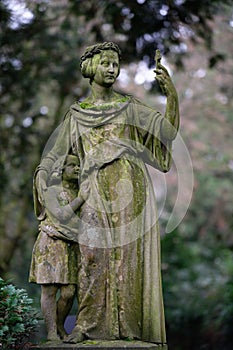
54	262
114	136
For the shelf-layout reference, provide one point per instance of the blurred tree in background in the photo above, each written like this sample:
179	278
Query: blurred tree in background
41	42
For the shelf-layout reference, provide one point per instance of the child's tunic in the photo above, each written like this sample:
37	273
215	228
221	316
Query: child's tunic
54	260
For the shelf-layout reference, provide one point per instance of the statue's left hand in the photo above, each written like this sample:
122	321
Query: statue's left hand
164	80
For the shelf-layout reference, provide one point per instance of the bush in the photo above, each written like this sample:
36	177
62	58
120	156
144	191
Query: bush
18	319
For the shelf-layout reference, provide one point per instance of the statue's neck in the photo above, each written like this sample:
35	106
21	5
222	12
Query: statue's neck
101	94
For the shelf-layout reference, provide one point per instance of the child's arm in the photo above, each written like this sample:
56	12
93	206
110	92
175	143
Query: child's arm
65	212
82	196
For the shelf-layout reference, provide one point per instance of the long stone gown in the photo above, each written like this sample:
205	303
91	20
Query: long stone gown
119	278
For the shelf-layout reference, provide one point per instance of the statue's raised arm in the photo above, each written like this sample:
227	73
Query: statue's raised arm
171	121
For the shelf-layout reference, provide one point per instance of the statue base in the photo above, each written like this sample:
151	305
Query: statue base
101	344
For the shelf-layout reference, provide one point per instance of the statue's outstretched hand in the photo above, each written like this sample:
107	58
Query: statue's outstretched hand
163	77
164	80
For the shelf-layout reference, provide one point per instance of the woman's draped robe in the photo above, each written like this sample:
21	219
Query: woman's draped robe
119	282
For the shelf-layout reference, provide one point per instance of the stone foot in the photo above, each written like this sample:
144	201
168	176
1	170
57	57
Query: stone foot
53	341
62	333
52	337
75	337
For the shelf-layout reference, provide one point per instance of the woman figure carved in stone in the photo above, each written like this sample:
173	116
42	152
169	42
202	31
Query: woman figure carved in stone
54	263
115	136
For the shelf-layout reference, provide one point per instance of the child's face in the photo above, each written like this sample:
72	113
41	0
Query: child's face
71	169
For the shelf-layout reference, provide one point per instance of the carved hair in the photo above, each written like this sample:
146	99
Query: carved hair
87	65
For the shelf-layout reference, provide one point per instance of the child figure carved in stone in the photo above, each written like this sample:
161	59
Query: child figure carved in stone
55	254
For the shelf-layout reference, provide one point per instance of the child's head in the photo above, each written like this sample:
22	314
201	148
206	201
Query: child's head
67	170
71	169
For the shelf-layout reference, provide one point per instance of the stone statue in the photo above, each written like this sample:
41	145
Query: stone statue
114	136
54	262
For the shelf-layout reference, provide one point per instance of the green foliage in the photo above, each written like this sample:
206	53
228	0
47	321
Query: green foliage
142	26
198	291
39	61
18	319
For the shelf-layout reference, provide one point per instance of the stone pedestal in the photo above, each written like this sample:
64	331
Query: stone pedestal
101	345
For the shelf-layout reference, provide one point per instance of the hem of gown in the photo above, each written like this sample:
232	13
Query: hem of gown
52	282
105	345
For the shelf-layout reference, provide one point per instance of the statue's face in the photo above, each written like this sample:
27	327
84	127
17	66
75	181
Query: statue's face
107	68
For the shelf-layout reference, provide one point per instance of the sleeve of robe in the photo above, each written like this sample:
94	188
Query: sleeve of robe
58	146
146	133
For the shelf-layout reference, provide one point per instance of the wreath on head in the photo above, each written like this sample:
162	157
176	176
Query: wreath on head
97	48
